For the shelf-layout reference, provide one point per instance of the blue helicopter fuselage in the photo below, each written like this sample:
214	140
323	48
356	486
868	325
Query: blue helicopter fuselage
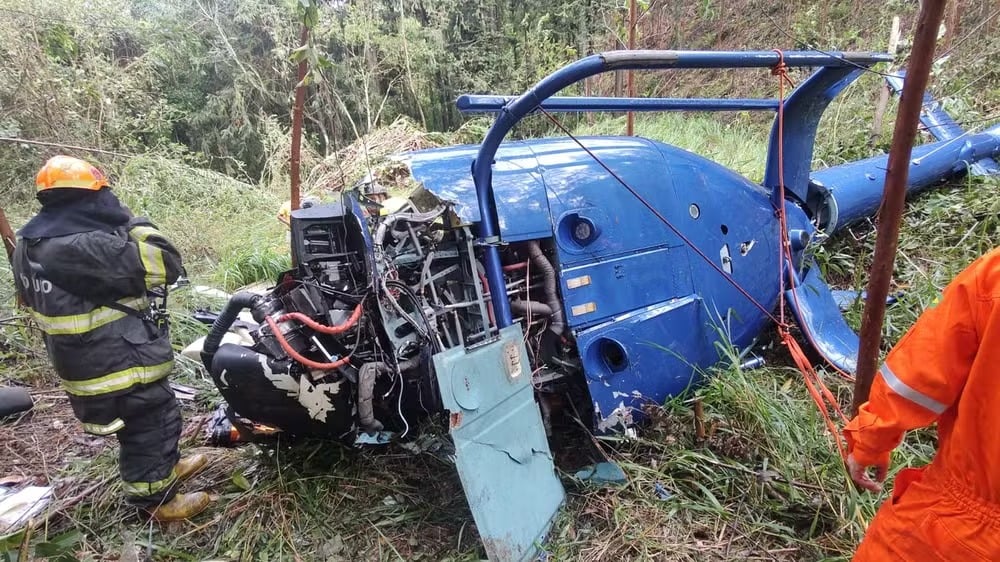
646	311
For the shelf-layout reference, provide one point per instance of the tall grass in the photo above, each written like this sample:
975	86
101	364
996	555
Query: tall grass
737	142
943	231
213	219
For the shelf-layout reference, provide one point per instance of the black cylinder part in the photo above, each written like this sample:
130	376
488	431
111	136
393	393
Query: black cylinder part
236	304
14	400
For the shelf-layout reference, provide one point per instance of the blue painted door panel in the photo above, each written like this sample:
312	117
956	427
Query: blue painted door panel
576	184
595	292
502	454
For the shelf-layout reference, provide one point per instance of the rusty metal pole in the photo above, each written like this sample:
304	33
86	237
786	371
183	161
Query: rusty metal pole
630	126
300	96
894	195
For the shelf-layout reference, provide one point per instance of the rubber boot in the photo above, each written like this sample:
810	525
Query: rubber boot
189	466
183	506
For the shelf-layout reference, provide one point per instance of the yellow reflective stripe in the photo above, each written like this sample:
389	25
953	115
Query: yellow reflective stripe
82	323
79	184
149	488
119	380
151	256
108	429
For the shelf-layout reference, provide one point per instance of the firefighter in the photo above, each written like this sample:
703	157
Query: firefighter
89	271
285	212
943	370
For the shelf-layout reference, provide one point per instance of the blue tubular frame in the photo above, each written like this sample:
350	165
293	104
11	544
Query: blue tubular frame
838	70
572	104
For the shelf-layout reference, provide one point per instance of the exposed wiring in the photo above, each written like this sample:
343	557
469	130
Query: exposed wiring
329	291
399	408
403	288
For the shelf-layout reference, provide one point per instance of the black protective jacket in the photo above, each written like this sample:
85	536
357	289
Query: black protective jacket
76	286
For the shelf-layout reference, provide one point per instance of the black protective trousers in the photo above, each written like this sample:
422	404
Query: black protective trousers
148	441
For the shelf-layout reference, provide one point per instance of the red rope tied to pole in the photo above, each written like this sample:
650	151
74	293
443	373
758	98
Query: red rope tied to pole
825	401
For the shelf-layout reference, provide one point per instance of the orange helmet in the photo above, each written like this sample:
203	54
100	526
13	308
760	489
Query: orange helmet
66	171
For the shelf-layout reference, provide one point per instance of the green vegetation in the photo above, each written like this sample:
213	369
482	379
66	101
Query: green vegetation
189	103
740	144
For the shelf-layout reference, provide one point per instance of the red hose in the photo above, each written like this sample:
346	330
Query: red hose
297	356
489	304
339	329
515	266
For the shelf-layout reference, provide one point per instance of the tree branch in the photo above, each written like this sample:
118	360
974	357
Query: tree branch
16	140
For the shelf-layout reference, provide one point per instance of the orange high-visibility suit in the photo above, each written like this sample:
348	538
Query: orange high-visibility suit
946	368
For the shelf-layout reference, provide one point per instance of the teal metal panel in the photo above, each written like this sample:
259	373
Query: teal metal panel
501	451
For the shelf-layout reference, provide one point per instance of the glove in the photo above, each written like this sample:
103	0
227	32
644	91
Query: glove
859	473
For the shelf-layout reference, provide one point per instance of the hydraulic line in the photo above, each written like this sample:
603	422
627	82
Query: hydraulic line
298	356
367	375
366	390
523	306
339	329
403	288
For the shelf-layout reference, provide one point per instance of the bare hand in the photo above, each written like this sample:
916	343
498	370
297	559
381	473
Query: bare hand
860	476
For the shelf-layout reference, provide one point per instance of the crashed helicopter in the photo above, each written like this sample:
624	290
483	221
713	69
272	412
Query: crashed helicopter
595	273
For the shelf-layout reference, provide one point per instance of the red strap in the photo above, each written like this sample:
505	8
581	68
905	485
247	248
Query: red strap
825	401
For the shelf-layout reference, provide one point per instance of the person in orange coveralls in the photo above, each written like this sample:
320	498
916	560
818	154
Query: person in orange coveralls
945	369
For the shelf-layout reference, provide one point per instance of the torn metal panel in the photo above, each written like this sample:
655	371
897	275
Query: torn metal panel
502	454
819	316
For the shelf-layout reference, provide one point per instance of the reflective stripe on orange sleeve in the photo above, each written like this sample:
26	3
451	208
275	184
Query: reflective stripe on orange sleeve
906	391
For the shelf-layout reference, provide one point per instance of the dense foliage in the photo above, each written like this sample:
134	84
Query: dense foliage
211	81
214	78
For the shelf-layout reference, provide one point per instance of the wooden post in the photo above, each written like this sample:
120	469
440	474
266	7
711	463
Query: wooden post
894	196
7	234
883	97
630	127
300	96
